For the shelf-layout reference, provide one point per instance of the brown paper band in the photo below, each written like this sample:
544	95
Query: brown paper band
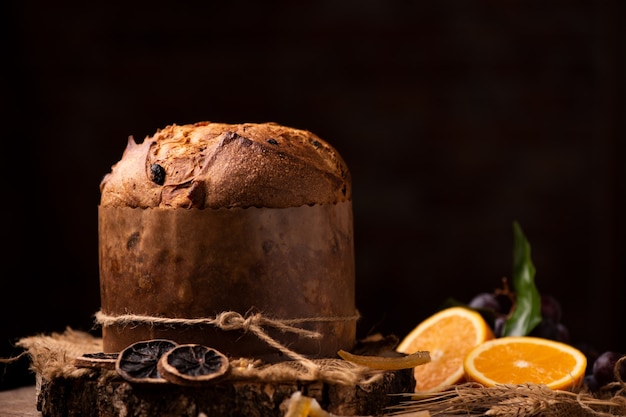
284	263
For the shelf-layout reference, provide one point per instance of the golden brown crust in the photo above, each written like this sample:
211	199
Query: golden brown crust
218	165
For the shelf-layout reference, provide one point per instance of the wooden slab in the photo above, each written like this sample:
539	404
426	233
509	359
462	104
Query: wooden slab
103	394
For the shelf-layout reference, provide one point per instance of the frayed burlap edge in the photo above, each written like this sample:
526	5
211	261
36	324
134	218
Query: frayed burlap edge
52	356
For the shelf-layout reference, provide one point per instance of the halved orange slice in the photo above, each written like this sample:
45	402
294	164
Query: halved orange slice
449	335
525	359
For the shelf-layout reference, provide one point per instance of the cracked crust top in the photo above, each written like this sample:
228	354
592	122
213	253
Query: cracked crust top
218	165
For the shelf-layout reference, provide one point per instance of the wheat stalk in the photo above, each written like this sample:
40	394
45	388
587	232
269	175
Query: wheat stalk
524	400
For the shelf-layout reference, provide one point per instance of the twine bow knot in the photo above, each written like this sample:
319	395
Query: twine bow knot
254	323
231	320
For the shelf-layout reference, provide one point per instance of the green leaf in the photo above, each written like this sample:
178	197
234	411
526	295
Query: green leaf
526	314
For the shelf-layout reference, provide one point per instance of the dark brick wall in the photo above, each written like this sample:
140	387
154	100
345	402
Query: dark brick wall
456	118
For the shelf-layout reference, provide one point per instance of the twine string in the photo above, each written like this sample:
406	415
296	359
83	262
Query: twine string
232	320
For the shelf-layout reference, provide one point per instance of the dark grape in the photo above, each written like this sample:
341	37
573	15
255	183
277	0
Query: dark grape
591	382
485	301
546	329
604	367
550	308
562	333
590	351
506	303
498	326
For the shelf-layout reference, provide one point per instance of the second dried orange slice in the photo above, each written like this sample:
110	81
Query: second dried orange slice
525	359
449	335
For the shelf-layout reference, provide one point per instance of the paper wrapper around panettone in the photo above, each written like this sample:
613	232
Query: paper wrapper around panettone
284	263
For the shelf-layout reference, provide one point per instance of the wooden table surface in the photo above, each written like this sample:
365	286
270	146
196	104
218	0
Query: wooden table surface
19	402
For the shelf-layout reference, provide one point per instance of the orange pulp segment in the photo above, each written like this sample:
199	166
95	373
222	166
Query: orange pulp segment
525	359
449	335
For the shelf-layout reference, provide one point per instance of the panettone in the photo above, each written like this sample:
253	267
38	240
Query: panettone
210	220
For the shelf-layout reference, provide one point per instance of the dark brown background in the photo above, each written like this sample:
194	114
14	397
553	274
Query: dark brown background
456	118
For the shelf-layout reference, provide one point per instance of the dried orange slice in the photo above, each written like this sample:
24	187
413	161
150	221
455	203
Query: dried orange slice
525	359
449	335
138	362
193	365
